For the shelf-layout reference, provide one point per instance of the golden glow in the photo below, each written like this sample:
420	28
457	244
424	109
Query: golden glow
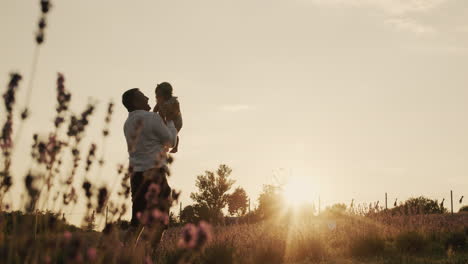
297	192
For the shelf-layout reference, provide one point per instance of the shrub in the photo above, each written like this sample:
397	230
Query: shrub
170	256
368	245
217	253
456	241
272	253
308	248
419	205
464	209
410	242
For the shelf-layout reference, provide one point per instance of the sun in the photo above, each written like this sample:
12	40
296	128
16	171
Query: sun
297	192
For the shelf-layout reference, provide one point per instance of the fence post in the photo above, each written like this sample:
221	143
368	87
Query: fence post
451	201
319	205
180	212
386	201
107	211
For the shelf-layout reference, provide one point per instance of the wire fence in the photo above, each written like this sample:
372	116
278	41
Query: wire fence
453	202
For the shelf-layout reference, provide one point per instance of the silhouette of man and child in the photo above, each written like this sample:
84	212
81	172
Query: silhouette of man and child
149	136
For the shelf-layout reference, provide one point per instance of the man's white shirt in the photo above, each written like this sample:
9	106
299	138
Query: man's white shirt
147	135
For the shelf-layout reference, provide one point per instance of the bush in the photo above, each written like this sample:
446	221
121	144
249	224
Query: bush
217	253
309	248
44	221
410	242
368	245
419	205
272	253
464	209
455	241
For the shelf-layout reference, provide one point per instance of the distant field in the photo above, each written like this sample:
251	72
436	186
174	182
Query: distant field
398	239
340	239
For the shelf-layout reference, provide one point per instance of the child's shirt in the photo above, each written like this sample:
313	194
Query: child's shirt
171	108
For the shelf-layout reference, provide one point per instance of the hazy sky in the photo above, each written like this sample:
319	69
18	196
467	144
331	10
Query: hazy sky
355	98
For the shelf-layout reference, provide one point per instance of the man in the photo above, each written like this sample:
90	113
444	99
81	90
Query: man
148	139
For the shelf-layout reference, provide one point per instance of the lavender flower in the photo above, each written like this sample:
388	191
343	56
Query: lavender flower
110	107
195	237
91	156
152	195
9	101
63	100
41	25
160	216
189	237
67	235
6	141
70	197
91	253
45	6
87	187
78	124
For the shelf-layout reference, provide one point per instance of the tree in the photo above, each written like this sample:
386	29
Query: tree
270	201
336	209
464	209
194	214
188	215
212	191
420	205
238	202
172	219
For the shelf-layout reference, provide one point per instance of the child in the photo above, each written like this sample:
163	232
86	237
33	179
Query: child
167	106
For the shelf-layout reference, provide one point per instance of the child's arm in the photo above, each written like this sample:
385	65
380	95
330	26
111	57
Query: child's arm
156	108
174	111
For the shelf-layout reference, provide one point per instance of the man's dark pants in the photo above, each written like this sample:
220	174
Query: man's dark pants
139	183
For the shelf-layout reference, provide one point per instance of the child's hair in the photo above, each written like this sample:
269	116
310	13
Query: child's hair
164	89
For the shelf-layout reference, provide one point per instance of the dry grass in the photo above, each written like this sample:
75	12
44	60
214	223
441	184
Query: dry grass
354	240
58	158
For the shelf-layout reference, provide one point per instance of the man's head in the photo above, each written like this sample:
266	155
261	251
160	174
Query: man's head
163	91
134	99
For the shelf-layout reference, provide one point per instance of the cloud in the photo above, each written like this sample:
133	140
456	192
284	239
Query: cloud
410	25
397	13
389	6
234	108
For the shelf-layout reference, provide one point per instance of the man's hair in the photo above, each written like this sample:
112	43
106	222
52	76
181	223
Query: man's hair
127	98
164	89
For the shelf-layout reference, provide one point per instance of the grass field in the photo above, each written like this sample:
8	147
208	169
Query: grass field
339	239
60	173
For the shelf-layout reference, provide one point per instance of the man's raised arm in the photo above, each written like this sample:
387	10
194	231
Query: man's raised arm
166	133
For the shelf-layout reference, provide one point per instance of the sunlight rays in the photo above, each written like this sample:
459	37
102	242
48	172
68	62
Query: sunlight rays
298	191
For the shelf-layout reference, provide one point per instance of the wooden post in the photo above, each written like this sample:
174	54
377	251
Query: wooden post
386	201
180	212
107	212
319	205
451	201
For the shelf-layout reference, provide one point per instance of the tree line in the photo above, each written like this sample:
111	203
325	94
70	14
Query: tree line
214	198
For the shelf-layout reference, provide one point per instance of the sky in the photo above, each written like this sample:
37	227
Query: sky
354	98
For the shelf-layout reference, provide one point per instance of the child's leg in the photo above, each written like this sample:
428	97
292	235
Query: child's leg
178	125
